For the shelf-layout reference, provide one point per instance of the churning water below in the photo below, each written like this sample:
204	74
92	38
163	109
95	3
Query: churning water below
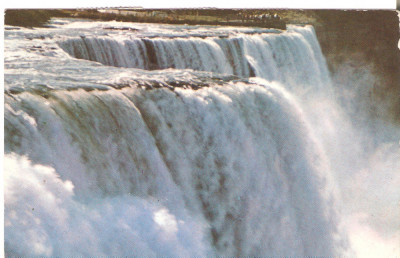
177	141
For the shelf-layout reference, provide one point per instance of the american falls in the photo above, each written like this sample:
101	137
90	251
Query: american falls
175	140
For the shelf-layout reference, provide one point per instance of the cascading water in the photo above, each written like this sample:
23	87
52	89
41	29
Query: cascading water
271	56
106	158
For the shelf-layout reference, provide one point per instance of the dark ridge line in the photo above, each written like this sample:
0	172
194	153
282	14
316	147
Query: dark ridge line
46	91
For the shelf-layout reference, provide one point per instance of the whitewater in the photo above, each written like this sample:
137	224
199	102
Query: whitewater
126	139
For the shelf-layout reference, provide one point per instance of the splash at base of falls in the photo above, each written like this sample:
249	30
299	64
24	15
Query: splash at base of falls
54	222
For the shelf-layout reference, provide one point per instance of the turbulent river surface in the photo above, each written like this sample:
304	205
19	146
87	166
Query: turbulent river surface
159	140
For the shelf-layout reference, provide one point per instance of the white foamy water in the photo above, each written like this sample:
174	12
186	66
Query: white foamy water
273	56
156	142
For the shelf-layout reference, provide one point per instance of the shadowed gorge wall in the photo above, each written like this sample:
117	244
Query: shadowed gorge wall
365	39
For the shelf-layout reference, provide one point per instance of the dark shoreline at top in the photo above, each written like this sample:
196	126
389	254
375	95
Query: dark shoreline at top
215	17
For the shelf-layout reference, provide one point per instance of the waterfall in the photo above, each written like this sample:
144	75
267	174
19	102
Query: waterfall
275	57
121	167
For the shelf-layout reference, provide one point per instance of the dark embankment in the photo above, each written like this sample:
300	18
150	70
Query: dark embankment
207	16
365	39
31	17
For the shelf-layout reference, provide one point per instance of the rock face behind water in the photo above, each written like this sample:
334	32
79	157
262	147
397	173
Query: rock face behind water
365	38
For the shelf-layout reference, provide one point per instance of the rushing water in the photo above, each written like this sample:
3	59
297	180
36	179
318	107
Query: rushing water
171	141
